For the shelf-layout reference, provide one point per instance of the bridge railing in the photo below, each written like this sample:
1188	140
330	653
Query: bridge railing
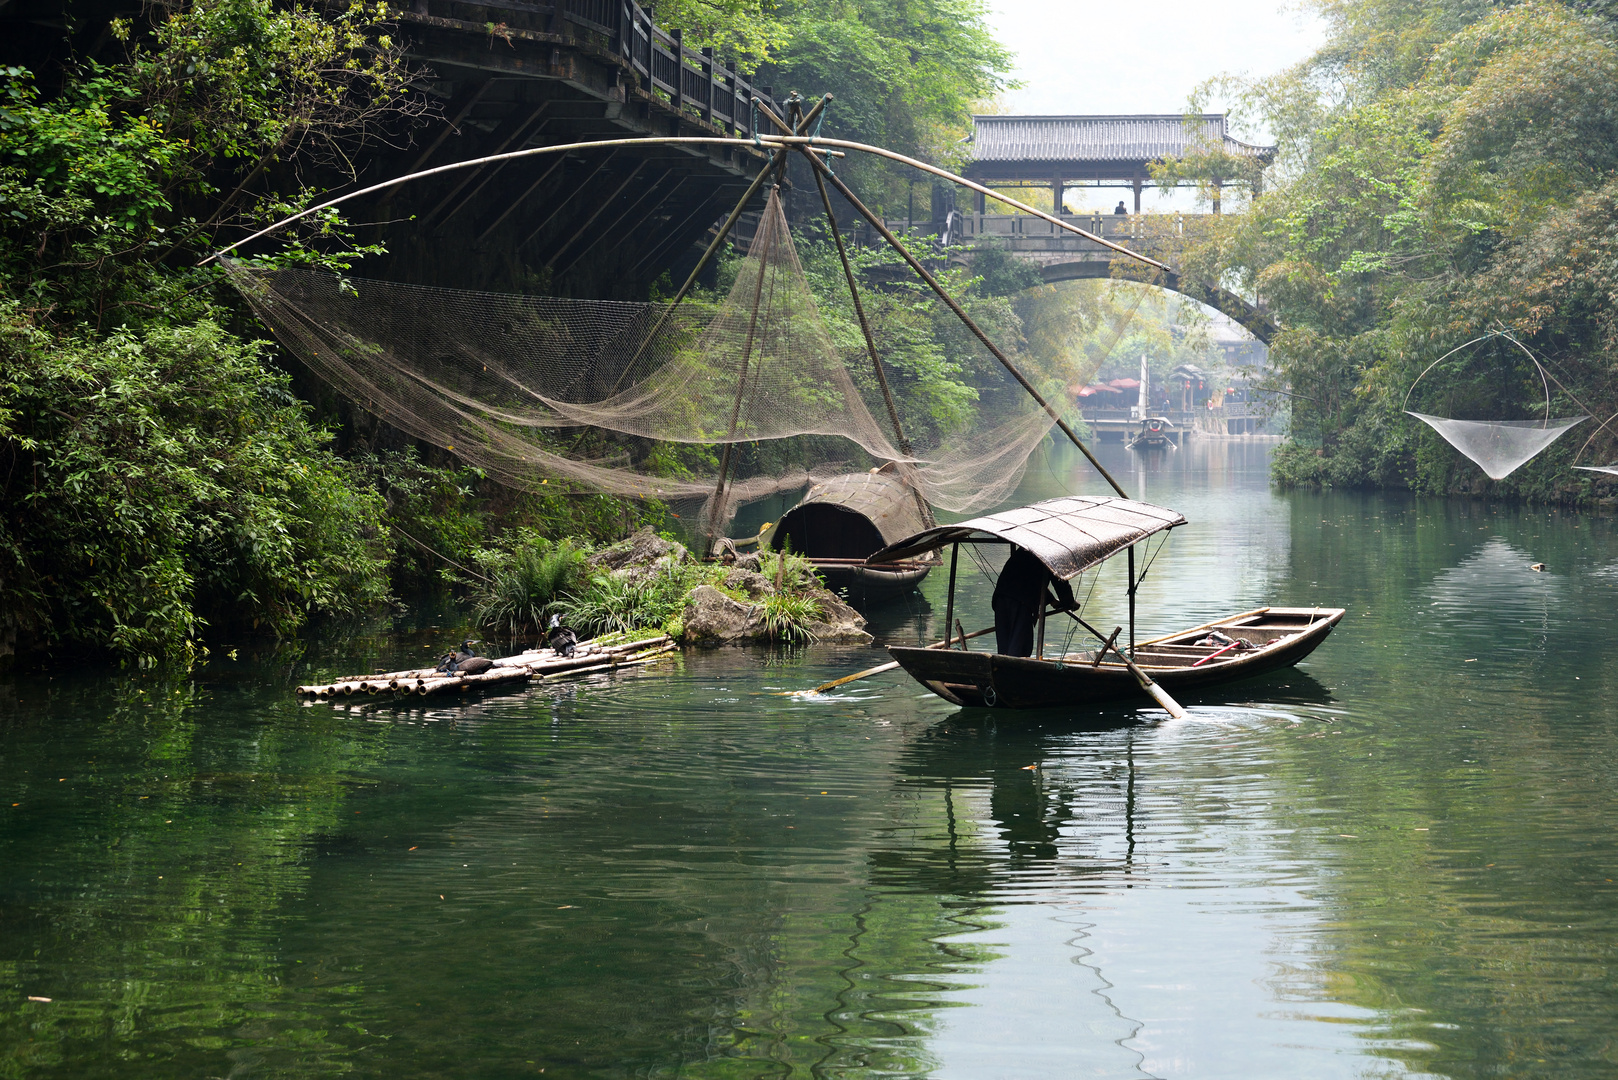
694	80
967	227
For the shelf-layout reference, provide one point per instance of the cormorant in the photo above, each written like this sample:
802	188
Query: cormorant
562	638
465	661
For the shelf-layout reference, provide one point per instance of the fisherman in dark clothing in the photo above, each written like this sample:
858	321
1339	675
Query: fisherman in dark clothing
1019	596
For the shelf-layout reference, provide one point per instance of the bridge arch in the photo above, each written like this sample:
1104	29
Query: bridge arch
1252	319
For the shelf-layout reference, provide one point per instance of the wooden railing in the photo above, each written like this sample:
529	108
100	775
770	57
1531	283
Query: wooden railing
964	227
694	81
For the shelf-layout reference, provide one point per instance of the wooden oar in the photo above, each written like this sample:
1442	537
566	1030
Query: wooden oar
879	669
1157	693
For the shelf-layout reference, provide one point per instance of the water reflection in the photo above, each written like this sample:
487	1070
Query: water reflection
1394	860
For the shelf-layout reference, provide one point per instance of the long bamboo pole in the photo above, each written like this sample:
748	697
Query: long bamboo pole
876	360
718	510
880	668
773	142
1153	690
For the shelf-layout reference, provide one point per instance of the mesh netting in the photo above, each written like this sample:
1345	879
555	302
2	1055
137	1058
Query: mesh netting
1499	447
485	374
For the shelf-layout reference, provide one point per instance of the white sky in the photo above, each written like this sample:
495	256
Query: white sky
1075	58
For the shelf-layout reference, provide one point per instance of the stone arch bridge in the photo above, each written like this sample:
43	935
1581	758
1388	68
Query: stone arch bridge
1063	256
1070	155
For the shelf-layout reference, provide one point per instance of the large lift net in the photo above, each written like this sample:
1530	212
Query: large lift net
485	375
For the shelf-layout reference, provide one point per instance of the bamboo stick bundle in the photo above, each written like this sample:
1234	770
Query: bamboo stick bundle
631	660
505	669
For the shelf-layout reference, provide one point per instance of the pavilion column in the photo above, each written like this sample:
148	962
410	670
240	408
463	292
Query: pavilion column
1057	194
1219	188
980	201
1139	184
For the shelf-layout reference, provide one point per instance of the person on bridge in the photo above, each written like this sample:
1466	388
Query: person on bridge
1119	209
1018	597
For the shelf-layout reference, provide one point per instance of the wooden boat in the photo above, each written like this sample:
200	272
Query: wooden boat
1154	433
1069	536
842	520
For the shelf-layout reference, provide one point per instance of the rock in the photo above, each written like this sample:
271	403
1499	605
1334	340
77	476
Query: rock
838	623
754	584
644	552
750	561
712	618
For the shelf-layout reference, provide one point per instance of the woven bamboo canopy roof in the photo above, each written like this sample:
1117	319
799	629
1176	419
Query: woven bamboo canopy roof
1069	535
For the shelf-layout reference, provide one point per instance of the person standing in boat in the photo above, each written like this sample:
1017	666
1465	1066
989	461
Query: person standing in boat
1018	597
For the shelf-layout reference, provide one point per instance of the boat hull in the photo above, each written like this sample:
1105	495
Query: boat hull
865	584
1281	636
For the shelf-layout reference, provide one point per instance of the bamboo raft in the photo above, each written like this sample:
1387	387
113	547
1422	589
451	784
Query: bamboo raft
532	664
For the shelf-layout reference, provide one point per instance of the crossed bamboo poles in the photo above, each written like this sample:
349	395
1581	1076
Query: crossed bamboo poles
791	138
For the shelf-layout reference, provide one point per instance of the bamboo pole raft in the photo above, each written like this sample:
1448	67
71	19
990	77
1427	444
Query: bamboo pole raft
533	664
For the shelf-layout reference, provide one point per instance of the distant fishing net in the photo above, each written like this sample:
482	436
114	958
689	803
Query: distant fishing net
487	375
1499	447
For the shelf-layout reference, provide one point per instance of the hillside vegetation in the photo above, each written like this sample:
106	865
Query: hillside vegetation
1447	169
161	484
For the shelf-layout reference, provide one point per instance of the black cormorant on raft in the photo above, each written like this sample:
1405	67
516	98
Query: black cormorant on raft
1055	541
842	520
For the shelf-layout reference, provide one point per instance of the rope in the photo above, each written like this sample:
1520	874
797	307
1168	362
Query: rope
438	554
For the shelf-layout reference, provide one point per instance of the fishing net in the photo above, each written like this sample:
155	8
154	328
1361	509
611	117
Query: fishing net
1499	447
493	377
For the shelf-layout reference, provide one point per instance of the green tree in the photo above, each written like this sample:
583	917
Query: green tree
158	475
1446	170
905	74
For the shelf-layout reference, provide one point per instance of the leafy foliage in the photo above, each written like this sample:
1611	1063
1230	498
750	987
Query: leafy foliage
619	603
1447	170
788	618
524	582
160	475
155	481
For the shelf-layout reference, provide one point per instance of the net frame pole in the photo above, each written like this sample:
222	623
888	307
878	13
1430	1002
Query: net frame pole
772	142
741	391
960	313
730	222
778	164
870	345
1132	584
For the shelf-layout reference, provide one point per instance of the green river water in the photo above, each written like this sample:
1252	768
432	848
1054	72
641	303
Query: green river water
1396	859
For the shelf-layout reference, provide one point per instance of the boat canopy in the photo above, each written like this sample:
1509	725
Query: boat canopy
850	516
1069	535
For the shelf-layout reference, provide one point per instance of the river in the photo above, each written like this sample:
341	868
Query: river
1395	860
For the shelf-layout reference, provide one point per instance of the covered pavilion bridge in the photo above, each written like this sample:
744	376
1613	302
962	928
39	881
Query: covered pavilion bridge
1093	151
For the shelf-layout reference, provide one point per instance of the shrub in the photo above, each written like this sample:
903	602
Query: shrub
788	618
525	582
620	603
153	483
